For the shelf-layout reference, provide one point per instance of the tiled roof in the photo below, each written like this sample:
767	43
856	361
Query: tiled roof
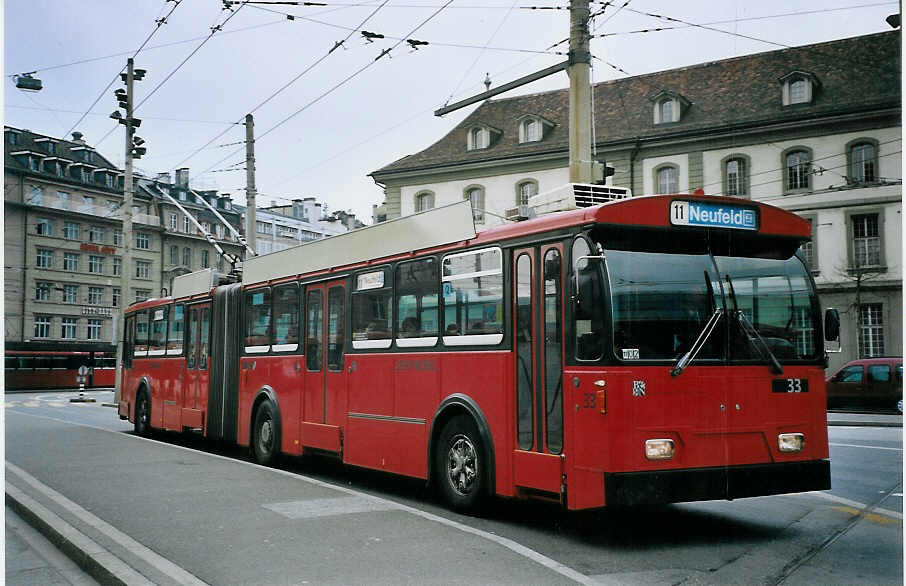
64	149
855	74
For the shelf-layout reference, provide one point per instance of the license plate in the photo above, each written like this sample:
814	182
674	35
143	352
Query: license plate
789	385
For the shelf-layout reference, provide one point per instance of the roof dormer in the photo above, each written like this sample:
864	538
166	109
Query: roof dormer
481	136
798	87
533	128
669	107
48	144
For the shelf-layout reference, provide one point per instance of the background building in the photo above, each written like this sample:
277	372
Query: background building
281	227
813	129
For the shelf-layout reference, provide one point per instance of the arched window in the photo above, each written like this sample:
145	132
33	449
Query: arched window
798	170
862	163
667	179
798	93
475	195
424	201
737	177
530	130
525	190
479	138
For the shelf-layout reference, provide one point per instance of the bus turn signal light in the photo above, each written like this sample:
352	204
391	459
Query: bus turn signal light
791	442
659	449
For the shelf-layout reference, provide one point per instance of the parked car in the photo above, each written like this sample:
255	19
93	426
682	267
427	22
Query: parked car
867	382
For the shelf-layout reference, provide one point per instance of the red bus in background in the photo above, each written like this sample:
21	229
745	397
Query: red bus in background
646	350
44	370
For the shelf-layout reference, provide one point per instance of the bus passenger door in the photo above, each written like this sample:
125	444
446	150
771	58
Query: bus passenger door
197	366
324	405
538	348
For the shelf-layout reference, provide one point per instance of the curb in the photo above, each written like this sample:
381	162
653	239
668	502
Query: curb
94	559
863	424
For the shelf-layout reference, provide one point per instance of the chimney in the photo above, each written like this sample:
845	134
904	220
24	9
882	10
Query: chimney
163	177
182	177
273	203
77	137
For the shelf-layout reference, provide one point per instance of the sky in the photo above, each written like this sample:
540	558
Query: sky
327	115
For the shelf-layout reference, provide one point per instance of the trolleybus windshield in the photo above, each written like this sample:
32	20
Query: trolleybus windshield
661	303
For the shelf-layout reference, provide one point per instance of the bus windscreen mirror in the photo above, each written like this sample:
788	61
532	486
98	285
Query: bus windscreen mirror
831	325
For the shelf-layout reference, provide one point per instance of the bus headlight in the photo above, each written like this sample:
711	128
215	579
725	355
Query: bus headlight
791	442
659	449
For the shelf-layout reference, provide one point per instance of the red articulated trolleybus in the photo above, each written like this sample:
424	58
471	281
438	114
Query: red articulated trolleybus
643	350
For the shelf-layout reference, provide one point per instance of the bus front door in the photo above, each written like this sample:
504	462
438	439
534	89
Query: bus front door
198	347
538	346
324	404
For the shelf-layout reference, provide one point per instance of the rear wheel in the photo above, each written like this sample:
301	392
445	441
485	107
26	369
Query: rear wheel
142	419
265	441
461	465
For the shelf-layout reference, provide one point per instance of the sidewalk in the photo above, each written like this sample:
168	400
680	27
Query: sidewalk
864	419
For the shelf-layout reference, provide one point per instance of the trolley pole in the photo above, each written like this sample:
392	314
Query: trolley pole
250	215
580	163
126	262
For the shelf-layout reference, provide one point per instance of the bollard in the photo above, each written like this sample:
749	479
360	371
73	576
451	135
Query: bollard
80	378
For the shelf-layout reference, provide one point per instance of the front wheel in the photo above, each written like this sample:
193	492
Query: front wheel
265	442
142	419
461	465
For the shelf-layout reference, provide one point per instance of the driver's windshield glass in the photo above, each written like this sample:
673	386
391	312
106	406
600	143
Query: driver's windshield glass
661	303
776	297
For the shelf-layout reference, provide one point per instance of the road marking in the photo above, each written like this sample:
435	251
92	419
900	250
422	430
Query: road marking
158	562
854	504
513	546
328	507
869	516
868	447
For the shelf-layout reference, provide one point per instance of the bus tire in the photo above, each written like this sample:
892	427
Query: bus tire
461	466
142	419
265	440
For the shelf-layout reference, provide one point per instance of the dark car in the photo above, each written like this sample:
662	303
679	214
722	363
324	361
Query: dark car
867	382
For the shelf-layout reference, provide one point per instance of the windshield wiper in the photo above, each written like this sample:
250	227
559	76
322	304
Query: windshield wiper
752	334
703	336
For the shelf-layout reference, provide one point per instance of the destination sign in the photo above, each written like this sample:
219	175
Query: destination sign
712	215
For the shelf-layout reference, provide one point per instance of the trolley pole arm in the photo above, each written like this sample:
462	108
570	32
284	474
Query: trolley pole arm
229	227
232	258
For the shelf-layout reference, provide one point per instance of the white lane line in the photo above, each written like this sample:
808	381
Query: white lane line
864	446
328	507
156	561
513	546
853	504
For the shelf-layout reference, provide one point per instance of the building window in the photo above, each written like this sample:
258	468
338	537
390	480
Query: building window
530	130
264	228
174	222
89	203
667	180
219	231
96	234
142	269
117	238
174	255
115	299
142	295
94	329
71	231
424	201
142	241
798	170
63	197
96	264
809	249
44	259
42	291
475	195
12	138
866	241
798	92
665	108
42	326
70	293
117	266
862	163
36	196
70	261
95	295
479	138
205	259
187	257
68	328
737	178
44	227
524	191
186	224
871	330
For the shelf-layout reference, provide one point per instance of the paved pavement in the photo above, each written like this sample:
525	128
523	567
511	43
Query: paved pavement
161	517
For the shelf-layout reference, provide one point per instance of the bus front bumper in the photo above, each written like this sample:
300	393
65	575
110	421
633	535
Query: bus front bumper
722	483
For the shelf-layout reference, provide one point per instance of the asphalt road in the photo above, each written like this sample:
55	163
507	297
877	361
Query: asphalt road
849	535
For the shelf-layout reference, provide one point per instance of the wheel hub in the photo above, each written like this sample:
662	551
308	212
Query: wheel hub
462	467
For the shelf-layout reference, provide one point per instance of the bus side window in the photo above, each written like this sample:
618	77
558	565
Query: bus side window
157	342
313	332
141	333
191	324
204	338
175	330
258	321
129	340
286	318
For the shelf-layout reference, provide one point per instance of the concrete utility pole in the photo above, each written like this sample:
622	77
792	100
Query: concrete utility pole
250	219
580	163
126	258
